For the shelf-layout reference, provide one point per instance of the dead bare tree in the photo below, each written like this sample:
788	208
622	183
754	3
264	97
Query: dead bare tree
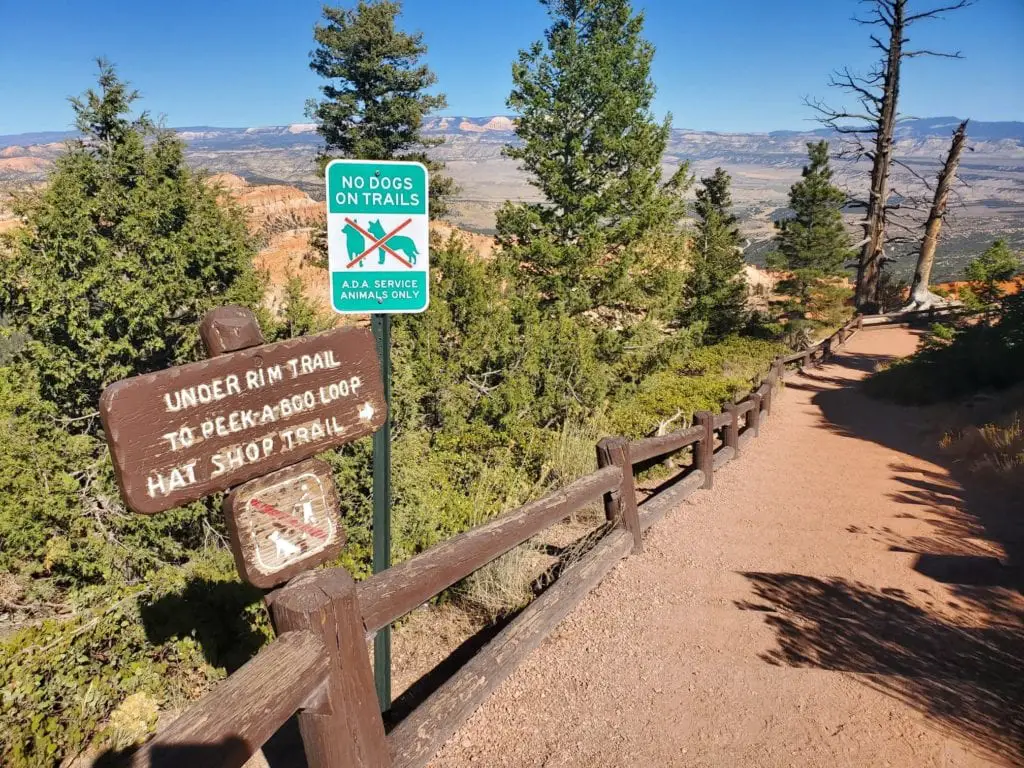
868	130
920	296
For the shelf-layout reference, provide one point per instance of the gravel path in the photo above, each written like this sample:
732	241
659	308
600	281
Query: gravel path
835	601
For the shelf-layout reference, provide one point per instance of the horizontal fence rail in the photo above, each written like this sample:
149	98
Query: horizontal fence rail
391	594
745	406
228	725
319	665
416	740
655	447
923	315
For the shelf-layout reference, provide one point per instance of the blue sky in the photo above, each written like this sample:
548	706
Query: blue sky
731	65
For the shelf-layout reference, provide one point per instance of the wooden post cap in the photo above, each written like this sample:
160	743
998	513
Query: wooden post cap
228	329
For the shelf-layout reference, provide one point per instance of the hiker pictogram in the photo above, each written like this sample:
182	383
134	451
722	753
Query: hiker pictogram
304	505
284	523
277	536
381	241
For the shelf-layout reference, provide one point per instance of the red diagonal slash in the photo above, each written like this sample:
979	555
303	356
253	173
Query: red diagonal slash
267	509
379	243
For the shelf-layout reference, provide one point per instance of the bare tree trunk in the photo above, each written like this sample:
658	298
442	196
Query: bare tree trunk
920	296
868	130
870	266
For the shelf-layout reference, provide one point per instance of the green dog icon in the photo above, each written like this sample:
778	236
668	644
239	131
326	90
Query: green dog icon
395	242
355	243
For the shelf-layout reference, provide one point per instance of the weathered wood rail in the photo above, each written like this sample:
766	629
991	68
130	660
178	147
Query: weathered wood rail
925	316
319	665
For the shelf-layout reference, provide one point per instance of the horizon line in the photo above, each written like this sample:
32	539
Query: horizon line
311	126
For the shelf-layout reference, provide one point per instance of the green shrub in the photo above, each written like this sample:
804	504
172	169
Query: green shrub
997	264
702	380
39	493
169	639
61	518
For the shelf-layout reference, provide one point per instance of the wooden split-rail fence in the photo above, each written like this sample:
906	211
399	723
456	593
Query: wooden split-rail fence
319	665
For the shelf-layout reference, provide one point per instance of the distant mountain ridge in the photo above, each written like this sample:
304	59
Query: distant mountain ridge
762	166
503	127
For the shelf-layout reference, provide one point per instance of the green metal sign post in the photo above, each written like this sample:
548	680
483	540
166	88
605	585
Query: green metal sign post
378	245
382	507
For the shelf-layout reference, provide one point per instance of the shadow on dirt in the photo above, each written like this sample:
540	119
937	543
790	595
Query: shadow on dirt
960	504
960	662
965	678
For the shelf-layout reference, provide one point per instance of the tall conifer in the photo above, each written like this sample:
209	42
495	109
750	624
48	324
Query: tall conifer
716	293
813	243
593	148
377	92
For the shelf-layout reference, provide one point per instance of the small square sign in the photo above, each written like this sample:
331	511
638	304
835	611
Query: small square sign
378	236
284	523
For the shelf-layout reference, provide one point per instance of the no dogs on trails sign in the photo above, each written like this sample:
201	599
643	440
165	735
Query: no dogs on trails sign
378	236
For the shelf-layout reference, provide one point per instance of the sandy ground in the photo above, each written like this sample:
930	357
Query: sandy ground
841	598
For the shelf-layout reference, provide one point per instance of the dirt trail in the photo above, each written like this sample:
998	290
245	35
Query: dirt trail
835	601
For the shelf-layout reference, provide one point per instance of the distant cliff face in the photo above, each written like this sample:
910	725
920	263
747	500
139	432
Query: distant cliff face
285	219
763	166
915	139
271	207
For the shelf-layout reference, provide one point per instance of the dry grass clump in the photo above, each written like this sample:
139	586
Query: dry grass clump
572	452
506	585
997	447
510	582
132	721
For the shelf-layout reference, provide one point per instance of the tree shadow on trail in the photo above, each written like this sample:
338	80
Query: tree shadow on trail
968	679
956	503
954	653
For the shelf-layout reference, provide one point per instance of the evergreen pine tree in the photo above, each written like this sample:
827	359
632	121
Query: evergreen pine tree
813	243
592	147
376	97
997	264
716	293
120	255
714	199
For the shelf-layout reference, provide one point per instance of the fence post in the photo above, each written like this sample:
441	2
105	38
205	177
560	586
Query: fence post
754	415
732	430
705	448
766	401
620	505
341	725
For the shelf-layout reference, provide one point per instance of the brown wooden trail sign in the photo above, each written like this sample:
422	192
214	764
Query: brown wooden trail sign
183	433
284	523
